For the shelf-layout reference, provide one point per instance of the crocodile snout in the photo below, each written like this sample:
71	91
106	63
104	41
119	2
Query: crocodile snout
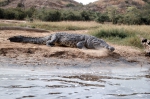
111	49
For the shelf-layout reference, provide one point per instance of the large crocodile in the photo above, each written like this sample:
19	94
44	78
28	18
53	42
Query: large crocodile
66	39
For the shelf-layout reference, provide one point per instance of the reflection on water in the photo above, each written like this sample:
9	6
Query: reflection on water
120	83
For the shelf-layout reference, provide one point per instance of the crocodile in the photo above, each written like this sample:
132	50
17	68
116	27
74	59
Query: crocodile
66	39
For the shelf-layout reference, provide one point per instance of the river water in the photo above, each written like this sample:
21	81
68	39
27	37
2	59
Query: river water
93	79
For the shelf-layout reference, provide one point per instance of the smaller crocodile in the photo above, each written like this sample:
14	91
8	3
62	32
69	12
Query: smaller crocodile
66	39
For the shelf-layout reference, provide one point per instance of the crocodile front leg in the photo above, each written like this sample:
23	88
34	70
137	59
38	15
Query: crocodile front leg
51	42
80	44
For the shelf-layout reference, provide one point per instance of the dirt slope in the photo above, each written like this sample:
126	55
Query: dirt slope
54	4
99	5
120	5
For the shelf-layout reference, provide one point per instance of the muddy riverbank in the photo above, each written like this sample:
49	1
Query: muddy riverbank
73	78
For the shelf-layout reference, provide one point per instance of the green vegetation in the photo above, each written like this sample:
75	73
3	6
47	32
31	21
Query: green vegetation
131	16
16	13
119	36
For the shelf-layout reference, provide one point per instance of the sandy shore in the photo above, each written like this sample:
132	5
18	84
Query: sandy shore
22	51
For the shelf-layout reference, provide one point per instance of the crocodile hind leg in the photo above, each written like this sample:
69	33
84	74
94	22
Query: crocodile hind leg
80	44
51	42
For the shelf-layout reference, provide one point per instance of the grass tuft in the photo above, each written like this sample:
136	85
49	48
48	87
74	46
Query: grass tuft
57	26
113	33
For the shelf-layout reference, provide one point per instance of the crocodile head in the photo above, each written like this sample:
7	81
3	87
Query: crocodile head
110	48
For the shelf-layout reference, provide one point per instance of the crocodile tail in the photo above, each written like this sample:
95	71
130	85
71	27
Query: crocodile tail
23	39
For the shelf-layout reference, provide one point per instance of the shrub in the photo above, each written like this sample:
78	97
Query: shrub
54	16
15	13
71	15
20	5
48	15
1	13
19	14
9	14
70	5
85	15
30	12
101	18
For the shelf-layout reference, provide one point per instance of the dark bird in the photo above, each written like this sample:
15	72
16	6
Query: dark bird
144	40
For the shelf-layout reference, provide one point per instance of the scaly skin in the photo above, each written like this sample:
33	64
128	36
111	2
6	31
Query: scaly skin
65	39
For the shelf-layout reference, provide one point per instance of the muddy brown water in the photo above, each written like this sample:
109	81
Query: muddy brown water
53	78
